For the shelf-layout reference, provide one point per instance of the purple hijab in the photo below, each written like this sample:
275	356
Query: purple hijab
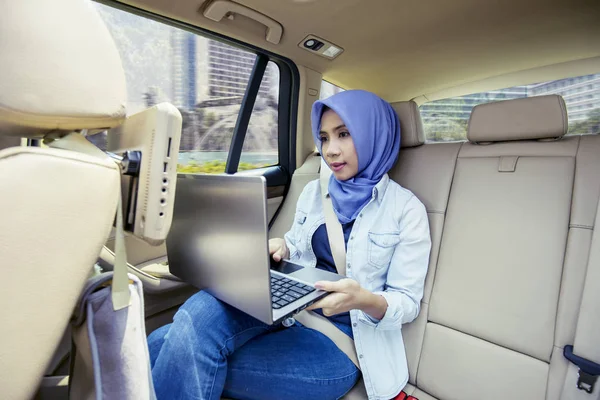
375	131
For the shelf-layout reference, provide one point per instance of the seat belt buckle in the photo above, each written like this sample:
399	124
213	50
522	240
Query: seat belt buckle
586	381
588	370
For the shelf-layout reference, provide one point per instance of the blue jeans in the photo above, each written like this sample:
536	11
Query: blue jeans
212	350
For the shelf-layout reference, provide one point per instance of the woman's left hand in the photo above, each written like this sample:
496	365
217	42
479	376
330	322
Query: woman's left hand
347	294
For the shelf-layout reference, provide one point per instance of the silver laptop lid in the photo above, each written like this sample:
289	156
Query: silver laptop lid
218	239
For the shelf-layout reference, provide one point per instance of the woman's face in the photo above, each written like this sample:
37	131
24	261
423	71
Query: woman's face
337	146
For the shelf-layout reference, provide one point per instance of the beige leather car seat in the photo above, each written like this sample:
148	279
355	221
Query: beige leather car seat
59	72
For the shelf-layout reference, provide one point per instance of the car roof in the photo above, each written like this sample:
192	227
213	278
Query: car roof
420	49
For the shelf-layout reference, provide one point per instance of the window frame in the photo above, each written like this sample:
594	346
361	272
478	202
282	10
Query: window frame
289	88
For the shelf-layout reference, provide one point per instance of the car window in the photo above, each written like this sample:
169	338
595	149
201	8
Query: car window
206	80
447	119
328	89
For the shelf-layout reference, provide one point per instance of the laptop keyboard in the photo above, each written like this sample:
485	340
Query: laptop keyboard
285	291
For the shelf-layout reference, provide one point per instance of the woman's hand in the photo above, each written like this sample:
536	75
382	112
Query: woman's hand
346	295
278	249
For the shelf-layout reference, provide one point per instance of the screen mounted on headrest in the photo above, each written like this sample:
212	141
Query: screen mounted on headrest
149	144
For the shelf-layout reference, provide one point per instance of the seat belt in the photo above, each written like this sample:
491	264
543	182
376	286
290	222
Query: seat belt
335	234
584	355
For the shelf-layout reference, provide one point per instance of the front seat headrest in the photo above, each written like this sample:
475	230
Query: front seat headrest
59	69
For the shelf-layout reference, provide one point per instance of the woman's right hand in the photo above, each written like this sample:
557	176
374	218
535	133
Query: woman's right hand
278	249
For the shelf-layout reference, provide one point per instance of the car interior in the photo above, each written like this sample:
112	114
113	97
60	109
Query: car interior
499	105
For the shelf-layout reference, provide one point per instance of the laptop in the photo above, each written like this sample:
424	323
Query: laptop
218	242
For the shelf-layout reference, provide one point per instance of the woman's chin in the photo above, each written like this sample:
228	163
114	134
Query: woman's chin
340	176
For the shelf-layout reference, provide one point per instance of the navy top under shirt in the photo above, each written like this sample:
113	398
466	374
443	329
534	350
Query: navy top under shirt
322	249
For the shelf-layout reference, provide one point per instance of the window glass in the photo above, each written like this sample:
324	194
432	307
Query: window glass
204	78
328	89
447	119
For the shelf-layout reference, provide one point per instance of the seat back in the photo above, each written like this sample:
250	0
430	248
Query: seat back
59	72
492	327
427	170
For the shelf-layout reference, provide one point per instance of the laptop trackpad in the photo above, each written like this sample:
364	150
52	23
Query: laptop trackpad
285	267
307	275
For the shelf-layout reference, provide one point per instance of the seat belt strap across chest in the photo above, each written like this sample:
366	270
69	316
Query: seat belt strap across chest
311	319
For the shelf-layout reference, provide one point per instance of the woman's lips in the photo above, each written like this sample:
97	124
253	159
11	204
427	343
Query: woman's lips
337	166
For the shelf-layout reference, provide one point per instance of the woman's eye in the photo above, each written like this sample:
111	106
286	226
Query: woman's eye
344	134
323	139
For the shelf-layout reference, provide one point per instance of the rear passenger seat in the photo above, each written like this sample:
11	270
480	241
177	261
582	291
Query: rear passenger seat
511	215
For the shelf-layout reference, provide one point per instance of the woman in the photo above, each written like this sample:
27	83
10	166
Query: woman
212	349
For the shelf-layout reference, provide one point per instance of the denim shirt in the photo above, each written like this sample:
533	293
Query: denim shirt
387	254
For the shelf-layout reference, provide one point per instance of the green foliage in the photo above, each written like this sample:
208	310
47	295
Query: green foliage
449	131
213	167
210	119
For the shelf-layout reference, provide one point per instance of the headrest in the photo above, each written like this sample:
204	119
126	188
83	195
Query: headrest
538	117
411	125
59	69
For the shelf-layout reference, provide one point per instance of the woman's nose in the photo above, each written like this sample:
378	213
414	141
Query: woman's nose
333	149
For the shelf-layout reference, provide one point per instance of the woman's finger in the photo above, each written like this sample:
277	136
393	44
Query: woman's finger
332	286
273	248
316	305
